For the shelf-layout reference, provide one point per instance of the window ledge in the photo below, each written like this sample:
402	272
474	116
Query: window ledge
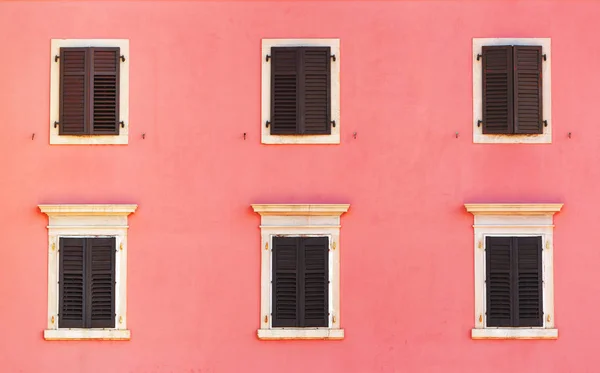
514	333
301	333
301	139
87	334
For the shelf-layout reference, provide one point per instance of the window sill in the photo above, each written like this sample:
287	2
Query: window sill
87	334
121	139
301	333
334	138
514	333
479	138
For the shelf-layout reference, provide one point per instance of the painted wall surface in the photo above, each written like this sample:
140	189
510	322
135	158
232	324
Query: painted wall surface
407	260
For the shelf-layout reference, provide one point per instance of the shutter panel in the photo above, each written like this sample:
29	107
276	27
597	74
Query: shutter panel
529	300
284	90
315	88
74	84
497	84
101	299
285	287
499	258
315	276
528	90
105	93
71	283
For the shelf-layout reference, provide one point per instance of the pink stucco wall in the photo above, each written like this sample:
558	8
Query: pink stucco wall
407	260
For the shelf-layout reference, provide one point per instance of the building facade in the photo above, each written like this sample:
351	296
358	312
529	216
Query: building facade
344	186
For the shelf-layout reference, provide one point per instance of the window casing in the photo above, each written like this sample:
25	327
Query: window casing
105	225
513	222
301	223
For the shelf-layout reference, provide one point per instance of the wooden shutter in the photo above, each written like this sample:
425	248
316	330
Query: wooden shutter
74	83
300	90
104	78
529	281
499	281
497	85
71	283
101	285
285	289
528	115
315	282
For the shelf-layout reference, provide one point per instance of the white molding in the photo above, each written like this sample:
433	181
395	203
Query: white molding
300	220
123	136
87	220
478	136
514	333
304	333
78	334
266	137
514	220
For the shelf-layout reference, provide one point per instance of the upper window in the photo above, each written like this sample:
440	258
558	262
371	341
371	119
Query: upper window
510	90
514	282
89	92
300	91
87	271
300	278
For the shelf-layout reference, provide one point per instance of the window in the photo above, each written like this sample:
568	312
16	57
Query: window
89	90
300	91
514	281
300	275
511	90
87	271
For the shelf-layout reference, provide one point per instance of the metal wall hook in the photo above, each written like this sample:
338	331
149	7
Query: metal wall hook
32	136
569	134
354	134
143	136
456	134
244	135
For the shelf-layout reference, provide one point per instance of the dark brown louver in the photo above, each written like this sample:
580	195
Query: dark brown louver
300	90
528	90
87	283
300	281
514	281
512	90
89	91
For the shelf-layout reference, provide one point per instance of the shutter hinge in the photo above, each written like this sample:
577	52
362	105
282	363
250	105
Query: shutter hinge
333	245
53	246
479	56
333	123
56	58
479	123
480	245
544	56
548	318
267	58
122	124
333	319
480	318
122	58
333	57
547	245
120	319
545	123
56	123
267	246
266	319
121	246
267	123
52	319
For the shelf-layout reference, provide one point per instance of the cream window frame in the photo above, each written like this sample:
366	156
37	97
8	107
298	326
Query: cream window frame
123	137
478	136
514	220
266	137
66	220
300	220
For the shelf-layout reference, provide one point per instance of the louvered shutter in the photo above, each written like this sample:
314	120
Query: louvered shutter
315	281
105	92
499	281
300	90
285	289
497	85
71	283
101	299
529	281
74	83
528	115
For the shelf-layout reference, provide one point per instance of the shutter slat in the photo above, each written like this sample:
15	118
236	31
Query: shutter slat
73	86
285	282
529	257
71	283
528	114
105	93
497	87
315	281
102	286
498	252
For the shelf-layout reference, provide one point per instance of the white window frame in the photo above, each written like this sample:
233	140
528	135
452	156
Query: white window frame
123	136
87	221
297	220
478	136
514	220
334	137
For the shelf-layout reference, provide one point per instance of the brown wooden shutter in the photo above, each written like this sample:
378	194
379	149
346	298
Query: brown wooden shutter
101	277
284	90
315	282
497	86
105	92
499	281
529	282
315	102
74	83
285	289
528	114
71	283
